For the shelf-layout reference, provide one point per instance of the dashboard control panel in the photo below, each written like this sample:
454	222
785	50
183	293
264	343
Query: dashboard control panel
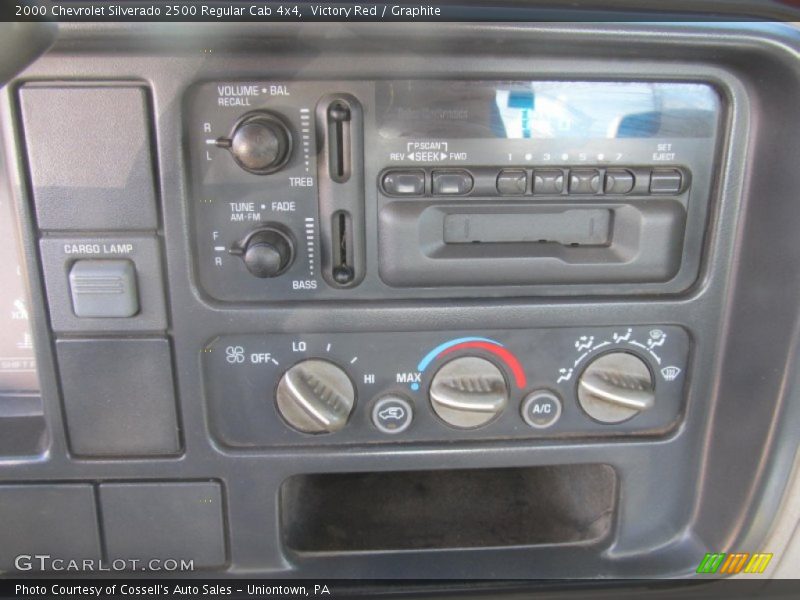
423	386
296	309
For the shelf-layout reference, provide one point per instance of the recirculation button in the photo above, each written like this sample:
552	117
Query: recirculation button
392	414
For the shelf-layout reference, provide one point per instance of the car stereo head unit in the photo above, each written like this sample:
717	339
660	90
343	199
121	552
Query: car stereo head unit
413	189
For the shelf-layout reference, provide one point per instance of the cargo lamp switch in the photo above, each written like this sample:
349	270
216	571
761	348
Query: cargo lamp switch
104	289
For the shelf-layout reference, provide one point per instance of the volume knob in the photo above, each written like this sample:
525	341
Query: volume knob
315	396
261	143
468	392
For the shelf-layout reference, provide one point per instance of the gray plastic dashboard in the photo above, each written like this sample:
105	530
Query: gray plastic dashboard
151	452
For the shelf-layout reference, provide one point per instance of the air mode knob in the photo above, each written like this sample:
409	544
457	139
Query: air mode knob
468	392
615	387
260	143
315	396
266	252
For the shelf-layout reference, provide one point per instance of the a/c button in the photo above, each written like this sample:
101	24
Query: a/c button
541	409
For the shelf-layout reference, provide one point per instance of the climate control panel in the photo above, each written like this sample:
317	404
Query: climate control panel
274	390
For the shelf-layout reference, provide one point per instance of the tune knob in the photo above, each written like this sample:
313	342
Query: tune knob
615	387
266	252
260	143
468	392
315	396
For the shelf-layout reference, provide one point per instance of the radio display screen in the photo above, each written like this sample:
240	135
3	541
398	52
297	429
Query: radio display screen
545	109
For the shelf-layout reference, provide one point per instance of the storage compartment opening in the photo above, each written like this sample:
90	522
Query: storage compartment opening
472	508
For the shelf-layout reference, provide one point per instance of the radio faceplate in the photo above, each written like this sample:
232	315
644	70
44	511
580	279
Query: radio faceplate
417	189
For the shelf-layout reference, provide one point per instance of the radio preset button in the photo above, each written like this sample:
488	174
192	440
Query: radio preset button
404	183
512	182
584	181
666	181
452	183
619	181
548	181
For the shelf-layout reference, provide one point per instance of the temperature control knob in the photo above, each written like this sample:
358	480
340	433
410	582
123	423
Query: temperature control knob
261	143
468	392
266	252
315	396
615	387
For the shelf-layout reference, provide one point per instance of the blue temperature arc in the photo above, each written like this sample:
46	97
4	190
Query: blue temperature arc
430	356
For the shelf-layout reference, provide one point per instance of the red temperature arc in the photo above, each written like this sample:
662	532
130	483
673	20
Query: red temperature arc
502	353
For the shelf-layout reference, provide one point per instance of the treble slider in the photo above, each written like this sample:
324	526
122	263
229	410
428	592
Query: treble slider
340	175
